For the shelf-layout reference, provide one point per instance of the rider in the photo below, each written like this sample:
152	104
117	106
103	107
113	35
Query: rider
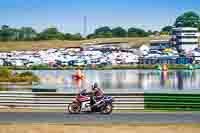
97	94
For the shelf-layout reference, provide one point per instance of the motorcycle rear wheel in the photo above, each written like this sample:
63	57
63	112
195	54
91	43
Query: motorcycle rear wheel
74	108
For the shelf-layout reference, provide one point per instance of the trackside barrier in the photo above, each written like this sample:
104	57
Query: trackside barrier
122	101
182	102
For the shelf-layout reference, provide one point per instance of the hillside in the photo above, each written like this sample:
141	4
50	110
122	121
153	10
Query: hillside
38	45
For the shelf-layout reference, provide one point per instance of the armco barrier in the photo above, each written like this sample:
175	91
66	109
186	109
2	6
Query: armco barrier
182	102
122	101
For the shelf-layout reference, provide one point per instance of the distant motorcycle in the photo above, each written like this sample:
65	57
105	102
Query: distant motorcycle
82	103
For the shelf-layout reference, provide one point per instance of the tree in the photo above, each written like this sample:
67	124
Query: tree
51	34
27	33
68	36
188	19
91	36
167	30
60	36
108	34
103	32
5	33
153	33
9	34
14	35
119	32
136	32
76	36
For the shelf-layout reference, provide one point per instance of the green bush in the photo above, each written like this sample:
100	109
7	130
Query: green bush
7	76
5	73
24	79
26	74
3	89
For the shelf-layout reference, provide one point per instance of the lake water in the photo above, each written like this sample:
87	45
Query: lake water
118	80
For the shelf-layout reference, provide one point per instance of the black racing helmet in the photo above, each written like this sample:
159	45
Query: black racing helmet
95	86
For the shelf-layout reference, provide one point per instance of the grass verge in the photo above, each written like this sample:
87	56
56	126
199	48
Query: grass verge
103	128
41	45
119	67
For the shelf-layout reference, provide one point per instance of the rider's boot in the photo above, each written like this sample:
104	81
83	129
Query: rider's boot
93	105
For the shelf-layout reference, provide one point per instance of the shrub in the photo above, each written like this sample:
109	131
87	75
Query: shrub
7	76
3	89
26	74
5	72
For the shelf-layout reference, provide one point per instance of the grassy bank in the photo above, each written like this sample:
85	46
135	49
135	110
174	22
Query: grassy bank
102	128
6	75
124	67
38	45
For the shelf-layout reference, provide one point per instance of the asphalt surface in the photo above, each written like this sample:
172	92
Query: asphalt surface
129	118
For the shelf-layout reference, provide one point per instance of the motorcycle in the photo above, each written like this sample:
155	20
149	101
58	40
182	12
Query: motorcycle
82	103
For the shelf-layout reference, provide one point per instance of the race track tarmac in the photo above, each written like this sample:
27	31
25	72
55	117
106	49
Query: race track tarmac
129	118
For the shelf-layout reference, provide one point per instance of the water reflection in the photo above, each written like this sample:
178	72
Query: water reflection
121	80
180	80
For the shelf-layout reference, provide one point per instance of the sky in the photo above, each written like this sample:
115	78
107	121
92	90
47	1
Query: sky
67	15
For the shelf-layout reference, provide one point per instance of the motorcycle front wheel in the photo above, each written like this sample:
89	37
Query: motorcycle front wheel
107	109
74	108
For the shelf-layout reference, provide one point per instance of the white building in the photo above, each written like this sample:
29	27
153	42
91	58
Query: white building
185	38
159	44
